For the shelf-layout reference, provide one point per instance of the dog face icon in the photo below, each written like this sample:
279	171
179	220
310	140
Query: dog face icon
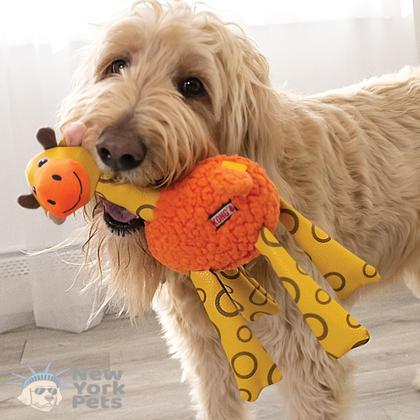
40	390
42	395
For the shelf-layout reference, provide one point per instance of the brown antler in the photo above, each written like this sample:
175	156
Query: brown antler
28	201
46	137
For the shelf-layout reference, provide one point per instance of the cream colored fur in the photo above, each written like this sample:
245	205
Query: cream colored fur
348	159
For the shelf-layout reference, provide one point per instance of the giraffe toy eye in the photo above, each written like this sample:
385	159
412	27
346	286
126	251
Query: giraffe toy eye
42	162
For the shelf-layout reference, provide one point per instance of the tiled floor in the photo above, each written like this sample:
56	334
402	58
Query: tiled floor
384	368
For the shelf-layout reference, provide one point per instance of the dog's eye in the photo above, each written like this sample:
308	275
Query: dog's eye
191	87
117	66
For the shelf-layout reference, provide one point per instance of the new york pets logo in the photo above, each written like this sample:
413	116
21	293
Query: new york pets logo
90	388
97	388
40	390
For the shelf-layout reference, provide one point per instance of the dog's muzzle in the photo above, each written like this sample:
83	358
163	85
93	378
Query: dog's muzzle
121	149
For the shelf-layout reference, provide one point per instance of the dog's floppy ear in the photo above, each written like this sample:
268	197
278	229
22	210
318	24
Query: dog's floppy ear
247	114
28	201
46	137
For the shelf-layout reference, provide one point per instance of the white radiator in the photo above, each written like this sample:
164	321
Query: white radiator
38	288
15	292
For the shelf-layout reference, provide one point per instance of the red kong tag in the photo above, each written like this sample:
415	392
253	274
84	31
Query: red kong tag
223	214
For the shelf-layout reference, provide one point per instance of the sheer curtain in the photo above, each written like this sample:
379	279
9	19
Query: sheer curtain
311	45
340	40
273	11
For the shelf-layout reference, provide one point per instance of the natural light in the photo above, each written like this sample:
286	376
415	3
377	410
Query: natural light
210	163
58	21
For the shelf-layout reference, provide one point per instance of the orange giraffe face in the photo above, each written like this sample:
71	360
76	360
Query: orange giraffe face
61	179
60	185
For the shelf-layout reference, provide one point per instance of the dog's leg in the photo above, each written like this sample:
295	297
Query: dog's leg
316	386
412	272
409	268
193	340
412	280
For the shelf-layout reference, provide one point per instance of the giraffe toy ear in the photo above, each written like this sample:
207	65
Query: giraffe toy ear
46	137
28	201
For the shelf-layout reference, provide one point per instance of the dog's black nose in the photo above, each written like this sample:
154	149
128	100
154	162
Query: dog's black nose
120	149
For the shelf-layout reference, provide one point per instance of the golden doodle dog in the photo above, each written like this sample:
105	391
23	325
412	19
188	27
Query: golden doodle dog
167	86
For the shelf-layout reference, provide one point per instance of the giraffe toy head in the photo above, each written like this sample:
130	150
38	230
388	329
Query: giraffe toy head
62	179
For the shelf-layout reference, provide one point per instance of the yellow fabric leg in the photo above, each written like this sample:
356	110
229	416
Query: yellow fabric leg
252	366
331	324
247	294
343	270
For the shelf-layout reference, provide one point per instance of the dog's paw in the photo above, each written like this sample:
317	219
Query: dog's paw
413	283
416	381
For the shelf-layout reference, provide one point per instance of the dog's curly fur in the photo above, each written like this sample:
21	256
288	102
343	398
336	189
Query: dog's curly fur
348	159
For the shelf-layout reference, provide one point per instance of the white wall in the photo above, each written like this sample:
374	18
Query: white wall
32	83
305	58
315	56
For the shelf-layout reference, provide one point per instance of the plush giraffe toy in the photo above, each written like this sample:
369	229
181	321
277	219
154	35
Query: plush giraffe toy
207	226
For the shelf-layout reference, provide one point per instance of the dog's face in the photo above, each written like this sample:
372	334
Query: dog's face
150	104
164	88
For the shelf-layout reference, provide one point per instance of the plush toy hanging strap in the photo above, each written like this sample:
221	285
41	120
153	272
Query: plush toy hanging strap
332	325
230	299
343	270
244	288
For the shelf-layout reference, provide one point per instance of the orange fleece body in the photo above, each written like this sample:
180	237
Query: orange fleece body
212	218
